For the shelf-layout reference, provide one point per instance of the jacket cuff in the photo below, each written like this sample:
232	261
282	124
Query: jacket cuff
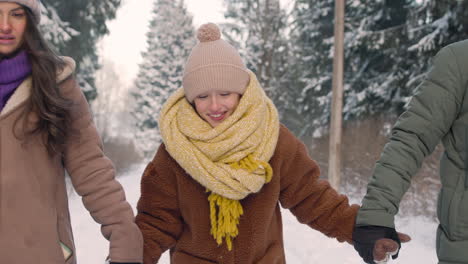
367	217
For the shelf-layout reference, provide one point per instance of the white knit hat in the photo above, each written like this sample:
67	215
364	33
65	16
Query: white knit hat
213	64
34	5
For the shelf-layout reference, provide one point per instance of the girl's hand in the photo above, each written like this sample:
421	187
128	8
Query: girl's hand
385	247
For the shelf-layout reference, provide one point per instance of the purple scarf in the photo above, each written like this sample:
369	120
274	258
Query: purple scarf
13	71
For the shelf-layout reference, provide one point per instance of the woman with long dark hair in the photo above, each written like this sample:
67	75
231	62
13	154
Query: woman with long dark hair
46	128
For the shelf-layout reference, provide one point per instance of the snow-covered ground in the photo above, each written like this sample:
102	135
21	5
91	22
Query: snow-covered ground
303	245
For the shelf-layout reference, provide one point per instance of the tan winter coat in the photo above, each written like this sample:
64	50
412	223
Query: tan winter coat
34	215
173	211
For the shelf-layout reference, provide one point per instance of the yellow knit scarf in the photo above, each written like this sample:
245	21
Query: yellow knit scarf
231	159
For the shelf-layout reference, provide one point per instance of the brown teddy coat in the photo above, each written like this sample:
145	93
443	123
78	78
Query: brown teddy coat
173	211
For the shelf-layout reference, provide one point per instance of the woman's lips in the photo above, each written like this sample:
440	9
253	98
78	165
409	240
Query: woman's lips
7	39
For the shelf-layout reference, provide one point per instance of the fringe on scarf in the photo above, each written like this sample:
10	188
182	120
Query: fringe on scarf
225	213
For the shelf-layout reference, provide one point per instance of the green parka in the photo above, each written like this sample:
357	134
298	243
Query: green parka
437	112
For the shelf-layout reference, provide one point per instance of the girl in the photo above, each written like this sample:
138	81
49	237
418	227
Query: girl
45	129
212	193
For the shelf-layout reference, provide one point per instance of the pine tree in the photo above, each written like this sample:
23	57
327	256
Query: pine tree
170	38
393	47
55	30
433	25
88	19
377	59
257	29
307	96
369	25
389	45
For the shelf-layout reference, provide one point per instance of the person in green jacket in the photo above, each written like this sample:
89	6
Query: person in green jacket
437	112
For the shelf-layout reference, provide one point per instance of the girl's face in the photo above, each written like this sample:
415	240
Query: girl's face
215	106
12	27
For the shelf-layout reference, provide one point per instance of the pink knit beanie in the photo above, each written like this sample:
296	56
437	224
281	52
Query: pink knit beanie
34	5
213	64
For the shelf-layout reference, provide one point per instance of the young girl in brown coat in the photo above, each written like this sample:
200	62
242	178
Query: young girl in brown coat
46	128
212	193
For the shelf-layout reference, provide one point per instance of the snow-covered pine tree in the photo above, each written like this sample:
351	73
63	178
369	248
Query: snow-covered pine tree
433	24
55	30
170	38
391	49
377	61
307	96
88	19
371	30
257	29
389	45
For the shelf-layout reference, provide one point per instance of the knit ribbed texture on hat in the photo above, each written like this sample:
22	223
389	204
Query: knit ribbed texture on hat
34	5
213	65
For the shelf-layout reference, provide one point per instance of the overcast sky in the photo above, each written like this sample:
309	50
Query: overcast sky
127	37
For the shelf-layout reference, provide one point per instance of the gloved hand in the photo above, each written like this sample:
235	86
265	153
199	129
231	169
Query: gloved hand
377	242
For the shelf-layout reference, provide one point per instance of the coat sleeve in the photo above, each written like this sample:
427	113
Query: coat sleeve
158	216
312	200
429	117
93	177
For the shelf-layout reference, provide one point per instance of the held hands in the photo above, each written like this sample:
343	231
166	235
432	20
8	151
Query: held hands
376	243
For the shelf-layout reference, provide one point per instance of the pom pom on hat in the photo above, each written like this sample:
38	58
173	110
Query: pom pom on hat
208	32
213	65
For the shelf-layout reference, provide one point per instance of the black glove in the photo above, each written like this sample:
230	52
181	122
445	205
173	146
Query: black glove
364	238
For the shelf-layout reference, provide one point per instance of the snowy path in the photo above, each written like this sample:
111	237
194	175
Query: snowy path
303	245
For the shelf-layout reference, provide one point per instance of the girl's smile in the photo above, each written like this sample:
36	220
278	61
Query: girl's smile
216	106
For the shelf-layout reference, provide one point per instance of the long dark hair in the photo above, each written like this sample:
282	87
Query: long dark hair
52	110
